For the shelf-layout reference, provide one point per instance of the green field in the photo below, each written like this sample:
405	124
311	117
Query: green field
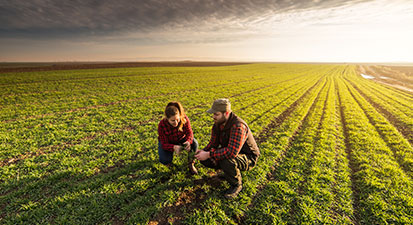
80	147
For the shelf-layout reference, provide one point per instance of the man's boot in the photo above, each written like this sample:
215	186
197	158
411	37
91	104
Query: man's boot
192	168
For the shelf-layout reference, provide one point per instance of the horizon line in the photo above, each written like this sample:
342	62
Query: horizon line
224	61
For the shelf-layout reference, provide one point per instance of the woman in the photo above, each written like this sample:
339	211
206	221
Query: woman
175	135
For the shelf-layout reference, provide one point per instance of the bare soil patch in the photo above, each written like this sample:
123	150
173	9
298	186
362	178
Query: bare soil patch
396	76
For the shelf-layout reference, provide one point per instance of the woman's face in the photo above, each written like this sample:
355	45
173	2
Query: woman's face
174	120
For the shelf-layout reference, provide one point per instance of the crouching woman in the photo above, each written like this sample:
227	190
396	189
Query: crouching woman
175	135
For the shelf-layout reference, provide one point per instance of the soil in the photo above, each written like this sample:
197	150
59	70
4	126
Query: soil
398	77
76	66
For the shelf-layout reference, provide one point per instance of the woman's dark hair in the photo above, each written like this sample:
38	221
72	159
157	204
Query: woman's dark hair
175	108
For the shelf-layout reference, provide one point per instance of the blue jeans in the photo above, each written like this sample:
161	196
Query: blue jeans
165	157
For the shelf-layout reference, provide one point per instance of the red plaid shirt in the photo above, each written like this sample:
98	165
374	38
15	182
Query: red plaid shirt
237	137
170	136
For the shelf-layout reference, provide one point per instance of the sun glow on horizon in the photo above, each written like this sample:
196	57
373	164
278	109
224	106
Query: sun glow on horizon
372	31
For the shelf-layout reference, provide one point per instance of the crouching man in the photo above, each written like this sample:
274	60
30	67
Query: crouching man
231	148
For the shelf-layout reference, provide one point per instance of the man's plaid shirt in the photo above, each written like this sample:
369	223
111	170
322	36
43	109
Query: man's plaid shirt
170	136
238	135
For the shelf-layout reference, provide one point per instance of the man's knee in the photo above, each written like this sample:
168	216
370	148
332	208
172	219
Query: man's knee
231	171
225	164
241	162
209	163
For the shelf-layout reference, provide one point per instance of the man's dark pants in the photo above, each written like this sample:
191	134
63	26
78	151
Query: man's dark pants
232	167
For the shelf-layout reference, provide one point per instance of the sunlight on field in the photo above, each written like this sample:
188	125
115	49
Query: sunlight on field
80	146
367	76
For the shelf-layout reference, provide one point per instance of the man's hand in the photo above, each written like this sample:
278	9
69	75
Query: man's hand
202	155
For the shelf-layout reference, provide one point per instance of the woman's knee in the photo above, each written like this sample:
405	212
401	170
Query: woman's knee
165	157
165	161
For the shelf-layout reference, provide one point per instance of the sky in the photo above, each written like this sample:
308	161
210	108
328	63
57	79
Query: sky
206	30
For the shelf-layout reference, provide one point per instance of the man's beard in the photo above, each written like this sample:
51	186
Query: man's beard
221	121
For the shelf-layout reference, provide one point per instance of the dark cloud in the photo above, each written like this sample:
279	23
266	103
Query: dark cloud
53	18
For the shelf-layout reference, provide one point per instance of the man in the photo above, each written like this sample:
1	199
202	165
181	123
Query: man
231	148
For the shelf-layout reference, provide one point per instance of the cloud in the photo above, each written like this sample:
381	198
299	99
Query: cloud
79	18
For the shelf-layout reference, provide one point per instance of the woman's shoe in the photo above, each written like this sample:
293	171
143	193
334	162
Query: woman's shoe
192	168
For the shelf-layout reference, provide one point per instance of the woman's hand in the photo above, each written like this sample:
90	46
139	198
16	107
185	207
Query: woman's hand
187	146
177	149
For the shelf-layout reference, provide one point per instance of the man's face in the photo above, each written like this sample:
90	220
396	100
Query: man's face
219	117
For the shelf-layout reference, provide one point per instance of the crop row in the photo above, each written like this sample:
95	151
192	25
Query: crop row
342	205
311	185
397	117
400	115
401	99
403	152
381	188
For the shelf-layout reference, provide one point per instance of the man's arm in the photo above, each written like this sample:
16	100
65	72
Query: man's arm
237	139
204	153
211	141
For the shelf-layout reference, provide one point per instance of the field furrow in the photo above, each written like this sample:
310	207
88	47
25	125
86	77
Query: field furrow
279	205
350	158
290	195
402	150
385	94
382	191
401	121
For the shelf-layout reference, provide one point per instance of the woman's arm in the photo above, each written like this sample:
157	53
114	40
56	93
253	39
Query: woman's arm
163	138
188	131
